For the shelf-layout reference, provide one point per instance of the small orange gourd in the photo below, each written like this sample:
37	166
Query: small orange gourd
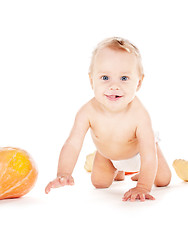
17	173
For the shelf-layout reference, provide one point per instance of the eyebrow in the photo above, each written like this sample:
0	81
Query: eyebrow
108	73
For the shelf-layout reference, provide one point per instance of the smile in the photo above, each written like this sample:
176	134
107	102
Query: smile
113	97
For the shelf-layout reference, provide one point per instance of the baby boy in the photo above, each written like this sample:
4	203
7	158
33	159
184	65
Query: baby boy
121	127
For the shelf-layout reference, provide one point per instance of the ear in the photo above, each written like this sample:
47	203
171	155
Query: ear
140	82
91	80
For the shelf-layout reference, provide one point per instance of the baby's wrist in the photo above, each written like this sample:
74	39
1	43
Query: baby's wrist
61	175
143	186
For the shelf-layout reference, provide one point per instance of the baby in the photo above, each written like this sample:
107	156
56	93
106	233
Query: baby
120	126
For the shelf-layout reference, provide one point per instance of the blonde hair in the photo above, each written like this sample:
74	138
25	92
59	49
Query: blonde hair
117	43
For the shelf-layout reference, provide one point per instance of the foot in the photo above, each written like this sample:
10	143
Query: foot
120	176
135	177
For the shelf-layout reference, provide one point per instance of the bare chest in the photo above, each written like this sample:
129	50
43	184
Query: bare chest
114	132
113	138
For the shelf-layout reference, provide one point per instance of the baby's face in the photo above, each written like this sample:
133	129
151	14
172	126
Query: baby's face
115	78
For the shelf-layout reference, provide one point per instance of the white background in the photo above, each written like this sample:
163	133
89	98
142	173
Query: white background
45	51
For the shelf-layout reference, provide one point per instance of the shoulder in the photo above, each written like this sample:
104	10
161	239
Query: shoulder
84	112
143	121
141	113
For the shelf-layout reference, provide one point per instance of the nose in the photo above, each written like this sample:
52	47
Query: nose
114	87
114	84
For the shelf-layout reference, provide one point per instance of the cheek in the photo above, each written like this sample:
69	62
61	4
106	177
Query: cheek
130	90
98	87
128	87
133	86
98	92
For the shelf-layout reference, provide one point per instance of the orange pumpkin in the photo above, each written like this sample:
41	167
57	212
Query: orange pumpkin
17	173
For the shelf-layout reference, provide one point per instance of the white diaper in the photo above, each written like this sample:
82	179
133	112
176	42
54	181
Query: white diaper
128	165
131	164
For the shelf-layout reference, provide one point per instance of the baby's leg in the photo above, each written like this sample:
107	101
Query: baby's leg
103	172
163	176
120	176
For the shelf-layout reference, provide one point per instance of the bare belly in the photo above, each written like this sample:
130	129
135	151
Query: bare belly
116	150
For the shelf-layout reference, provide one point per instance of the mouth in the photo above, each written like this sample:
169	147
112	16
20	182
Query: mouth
113	97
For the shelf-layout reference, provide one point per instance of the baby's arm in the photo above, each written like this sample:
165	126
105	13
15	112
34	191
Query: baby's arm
70	151
72	147
148	170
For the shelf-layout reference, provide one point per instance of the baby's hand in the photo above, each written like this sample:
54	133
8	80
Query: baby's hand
59	182
137	193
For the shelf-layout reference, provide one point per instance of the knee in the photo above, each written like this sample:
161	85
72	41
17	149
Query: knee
100	184
164	181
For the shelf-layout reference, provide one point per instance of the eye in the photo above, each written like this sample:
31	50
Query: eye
105	78
124	78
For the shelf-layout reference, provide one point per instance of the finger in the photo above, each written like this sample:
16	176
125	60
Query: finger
133	197
54	184
63	181
50	185
142	197
71	181
148	196
48	188
126	196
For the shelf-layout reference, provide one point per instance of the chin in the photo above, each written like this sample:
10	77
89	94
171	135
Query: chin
116	108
